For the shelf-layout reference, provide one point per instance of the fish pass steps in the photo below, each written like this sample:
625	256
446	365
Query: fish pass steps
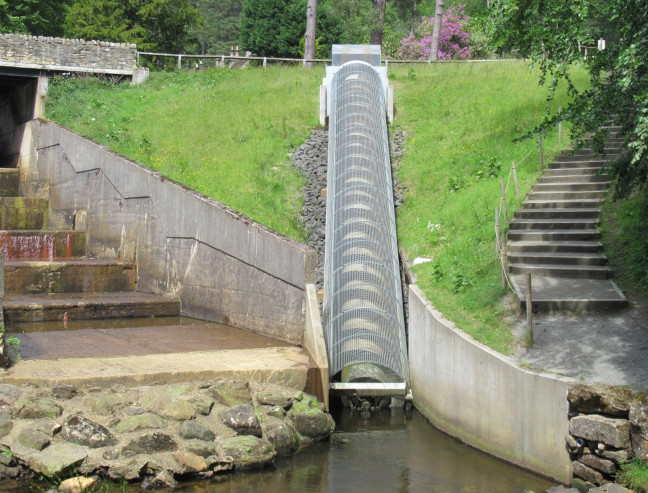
68	275
53	306
23	213
42	245
9	182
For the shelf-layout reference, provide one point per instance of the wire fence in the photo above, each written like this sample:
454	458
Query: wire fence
234	60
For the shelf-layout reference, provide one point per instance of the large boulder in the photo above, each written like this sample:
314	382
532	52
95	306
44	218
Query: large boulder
78	429
281	434
58	459
140	422
614	432
599	398
149	443
639	429
309	420
247	452
192	430
231	392
242	419
38	409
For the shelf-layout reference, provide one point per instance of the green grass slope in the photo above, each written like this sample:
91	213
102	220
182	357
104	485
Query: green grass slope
227	133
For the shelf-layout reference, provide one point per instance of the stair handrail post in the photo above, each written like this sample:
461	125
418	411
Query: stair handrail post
559	124
497	230
540	151
504	266
529	310
504	210
515	179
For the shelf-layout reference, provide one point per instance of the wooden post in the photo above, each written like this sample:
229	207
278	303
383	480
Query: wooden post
540	150
517	187
497	230
504	210
179	61
559	125
504	262
265	62
529	310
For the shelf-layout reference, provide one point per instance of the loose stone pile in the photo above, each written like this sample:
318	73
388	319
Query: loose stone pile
154	434
608	425
312	159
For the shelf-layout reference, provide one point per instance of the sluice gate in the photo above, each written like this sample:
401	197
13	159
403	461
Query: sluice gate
363	307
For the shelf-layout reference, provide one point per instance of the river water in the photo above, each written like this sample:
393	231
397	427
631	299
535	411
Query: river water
390	452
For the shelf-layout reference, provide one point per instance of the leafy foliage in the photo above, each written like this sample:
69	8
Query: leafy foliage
221	28
37	17
550	33
151	24
276	27
453	41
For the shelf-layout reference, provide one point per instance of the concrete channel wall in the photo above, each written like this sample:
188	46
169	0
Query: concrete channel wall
483	398
224	266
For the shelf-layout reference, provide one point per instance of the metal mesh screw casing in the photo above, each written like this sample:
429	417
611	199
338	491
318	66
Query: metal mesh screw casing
363	306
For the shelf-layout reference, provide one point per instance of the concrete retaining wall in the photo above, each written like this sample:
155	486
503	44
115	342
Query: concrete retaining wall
483	398
224	266
72	55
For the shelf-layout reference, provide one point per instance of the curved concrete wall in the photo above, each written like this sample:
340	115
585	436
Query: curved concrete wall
224	266
483	398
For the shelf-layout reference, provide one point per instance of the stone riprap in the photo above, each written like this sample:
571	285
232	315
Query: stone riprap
74	55
607	426
129	433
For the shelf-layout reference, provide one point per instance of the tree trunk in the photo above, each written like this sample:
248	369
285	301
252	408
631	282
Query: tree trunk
377	32
311	27
436	33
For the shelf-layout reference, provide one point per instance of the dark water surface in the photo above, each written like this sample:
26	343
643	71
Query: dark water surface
388	453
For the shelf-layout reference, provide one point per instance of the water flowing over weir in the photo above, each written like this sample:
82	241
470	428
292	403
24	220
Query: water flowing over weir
363	307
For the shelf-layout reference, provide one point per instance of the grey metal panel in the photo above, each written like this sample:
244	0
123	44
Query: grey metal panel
363	306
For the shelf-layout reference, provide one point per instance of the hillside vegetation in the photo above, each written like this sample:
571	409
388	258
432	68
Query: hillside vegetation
227	133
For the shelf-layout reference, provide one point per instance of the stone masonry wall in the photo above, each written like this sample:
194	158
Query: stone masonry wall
75	55
608	425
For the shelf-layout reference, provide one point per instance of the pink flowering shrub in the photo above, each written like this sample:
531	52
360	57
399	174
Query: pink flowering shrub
453	42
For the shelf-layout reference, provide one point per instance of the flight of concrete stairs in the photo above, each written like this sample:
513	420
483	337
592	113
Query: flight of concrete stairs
554	235
48	276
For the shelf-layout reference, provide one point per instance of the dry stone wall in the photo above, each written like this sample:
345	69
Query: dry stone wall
74	55
608	425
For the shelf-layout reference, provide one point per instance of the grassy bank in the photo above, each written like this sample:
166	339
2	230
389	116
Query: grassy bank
225	133
461	121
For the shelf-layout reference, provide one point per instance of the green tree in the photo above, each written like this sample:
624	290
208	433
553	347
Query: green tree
550	33
277	27
37	17
151	24
221	28
10	23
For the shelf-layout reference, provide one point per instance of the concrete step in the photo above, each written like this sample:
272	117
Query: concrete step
562	204
555	246
65	276
42	245
568	161
572	171
553	235
130	337
558	213
9	182
39	307
23	213
559	270
565	186
290	366
574	178
607	150
566	195
553	223
557	258
556	294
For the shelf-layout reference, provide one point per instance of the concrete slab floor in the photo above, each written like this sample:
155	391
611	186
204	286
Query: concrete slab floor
603	347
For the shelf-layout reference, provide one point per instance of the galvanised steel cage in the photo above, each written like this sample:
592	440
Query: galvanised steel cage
363	306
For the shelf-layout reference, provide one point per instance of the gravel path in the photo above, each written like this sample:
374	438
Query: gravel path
609	348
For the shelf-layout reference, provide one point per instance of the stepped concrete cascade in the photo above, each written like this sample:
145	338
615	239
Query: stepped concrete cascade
555	237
